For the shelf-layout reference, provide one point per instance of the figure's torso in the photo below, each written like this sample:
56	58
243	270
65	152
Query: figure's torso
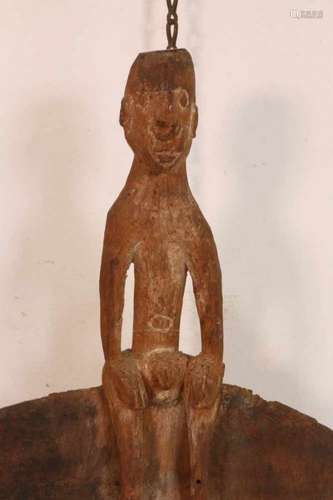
163	231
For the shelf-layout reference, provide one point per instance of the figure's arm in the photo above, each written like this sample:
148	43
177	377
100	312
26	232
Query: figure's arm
114	267
205	271
205	371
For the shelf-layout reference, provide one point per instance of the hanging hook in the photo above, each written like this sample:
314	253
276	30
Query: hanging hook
172	24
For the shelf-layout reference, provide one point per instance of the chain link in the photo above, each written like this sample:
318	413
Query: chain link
172	24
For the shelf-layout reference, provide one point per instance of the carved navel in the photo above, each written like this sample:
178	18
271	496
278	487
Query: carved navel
160	323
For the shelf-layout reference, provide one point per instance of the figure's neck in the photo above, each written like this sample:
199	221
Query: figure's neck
175	177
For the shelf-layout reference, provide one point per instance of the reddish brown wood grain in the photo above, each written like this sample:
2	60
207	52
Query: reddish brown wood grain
62	448
156	225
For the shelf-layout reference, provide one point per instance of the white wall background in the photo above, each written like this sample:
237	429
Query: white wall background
261	169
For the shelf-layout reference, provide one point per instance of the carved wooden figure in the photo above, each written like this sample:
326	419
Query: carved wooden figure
157	225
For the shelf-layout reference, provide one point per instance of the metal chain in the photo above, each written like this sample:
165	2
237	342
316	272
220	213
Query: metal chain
172	24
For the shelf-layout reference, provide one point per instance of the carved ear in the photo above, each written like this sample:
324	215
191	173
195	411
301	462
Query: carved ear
126	113
195	118
123	112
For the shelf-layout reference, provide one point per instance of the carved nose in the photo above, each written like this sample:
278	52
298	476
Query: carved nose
162	124
165	130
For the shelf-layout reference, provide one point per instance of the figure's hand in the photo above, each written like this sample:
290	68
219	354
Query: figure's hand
203	381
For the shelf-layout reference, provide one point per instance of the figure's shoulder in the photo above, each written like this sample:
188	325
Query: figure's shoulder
196	218
113	227
119	231
117	211
110	218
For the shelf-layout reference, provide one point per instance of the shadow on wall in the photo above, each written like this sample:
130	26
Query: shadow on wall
55	256
265	335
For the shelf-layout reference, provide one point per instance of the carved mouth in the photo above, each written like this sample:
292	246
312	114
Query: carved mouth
167	158
164	152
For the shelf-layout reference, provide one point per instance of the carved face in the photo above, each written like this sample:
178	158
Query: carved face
159	126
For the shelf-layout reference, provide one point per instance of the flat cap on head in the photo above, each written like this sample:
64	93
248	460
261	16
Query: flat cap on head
162	70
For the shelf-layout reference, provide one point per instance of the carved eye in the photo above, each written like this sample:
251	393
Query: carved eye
184	99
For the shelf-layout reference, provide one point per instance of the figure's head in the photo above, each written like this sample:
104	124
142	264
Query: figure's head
158	112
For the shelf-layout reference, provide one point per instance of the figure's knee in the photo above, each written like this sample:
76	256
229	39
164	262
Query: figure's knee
203	382
123	381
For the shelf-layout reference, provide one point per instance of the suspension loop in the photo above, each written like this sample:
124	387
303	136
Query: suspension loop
172	24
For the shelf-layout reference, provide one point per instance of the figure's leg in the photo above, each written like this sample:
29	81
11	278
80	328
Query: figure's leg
126	397
202	403
200	424
163	372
